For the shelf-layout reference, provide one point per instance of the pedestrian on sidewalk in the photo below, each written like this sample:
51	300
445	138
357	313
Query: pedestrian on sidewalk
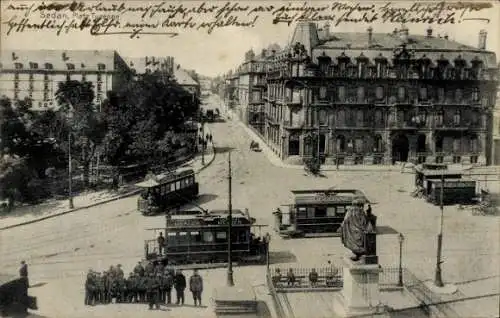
180	286
23	272
196	287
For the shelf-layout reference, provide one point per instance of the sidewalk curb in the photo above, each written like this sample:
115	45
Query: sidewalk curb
126	195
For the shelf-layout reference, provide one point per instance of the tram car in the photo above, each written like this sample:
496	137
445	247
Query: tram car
430	177
160	192
316	212
194	237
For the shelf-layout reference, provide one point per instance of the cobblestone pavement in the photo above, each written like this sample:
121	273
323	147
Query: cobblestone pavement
60	250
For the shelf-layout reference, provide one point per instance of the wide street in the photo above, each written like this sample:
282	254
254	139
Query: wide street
59	251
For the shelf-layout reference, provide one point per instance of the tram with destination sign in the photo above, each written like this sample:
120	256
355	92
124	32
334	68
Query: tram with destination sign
193	237
431	180
316	212
172	189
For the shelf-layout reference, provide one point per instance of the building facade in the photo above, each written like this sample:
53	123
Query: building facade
373	98
184	79
149	64
36	74
496	130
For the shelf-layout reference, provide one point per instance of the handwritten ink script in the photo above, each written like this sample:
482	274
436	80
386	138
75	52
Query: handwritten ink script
170	18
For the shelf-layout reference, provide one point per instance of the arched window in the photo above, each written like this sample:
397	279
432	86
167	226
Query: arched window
340	143
456	145
377	143
475	94
341	118
379	92
423	93
458	95
439	117
361	94
359	118
379	119
323	117
341	93
457	117
401	93
474	144
322	92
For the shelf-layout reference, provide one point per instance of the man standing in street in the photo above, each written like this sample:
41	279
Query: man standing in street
196	287
169	283
152	292
161	243
23	272
180	286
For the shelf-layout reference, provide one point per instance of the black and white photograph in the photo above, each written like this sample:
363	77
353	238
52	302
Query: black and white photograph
255	159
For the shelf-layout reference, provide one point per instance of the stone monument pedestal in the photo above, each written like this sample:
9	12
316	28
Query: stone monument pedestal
360	293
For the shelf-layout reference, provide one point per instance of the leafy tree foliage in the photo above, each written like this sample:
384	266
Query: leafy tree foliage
143	115
84	122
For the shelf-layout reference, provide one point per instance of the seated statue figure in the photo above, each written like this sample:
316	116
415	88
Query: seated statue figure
353	230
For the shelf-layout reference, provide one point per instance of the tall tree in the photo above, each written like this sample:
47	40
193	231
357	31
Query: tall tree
84	122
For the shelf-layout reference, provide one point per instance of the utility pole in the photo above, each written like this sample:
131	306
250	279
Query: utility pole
230	280
438	280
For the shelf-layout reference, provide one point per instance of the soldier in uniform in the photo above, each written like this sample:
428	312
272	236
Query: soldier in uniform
119	271
99	290
169	283
111	287
150	268
120	288
138	269
89	288
152	291
141	288
131	288
159	268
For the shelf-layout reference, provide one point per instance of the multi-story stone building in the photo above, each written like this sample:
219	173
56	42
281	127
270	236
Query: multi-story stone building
496	129
186	80
36	74
377	98
148	64
251	87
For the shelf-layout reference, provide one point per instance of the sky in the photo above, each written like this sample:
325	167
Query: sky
216	53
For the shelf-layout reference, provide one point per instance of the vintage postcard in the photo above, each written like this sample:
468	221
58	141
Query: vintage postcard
273	159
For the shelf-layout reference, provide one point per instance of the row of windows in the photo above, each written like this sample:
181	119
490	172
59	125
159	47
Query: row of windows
420	117
49	66
205	237
424	93
46	77
174	186
321	211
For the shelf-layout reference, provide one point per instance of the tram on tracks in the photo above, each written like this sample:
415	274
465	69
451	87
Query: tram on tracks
316	212
432	179
160	192
201	237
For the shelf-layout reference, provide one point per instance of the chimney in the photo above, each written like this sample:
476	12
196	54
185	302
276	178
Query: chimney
482	39
370	36
446	36
429	32
403	34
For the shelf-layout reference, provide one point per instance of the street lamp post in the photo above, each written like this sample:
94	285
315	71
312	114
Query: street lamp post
70	171
268	241
438	280
230	280
401	239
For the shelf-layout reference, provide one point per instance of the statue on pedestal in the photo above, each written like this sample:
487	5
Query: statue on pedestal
354	228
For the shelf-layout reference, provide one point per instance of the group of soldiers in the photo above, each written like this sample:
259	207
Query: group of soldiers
150	284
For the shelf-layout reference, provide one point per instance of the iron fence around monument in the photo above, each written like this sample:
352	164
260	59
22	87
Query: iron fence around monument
329	277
